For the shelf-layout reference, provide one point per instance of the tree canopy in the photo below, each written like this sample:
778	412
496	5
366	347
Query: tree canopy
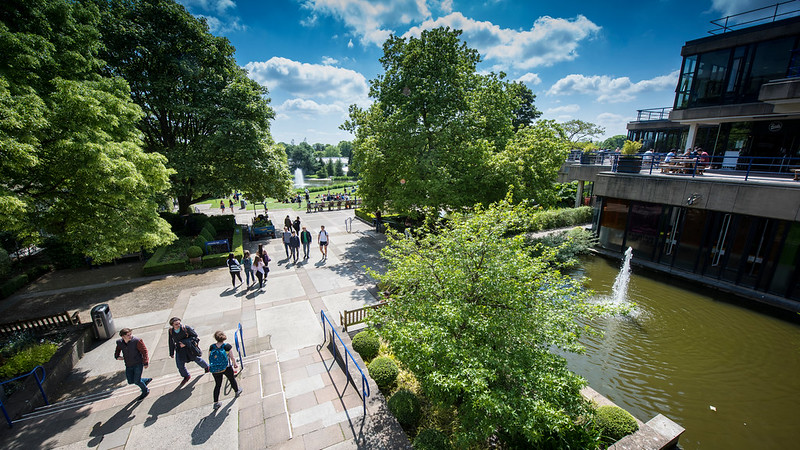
72	163
200	109
614	142
475	317
432	137
579	131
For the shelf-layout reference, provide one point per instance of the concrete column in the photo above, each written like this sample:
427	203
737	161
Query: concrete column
690	136
579	195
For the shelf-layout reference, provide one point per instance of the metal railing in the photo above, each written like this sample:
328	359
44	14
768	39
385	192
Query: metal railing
652	114
237	335
39	382
730	165
767	14
364	384
348	224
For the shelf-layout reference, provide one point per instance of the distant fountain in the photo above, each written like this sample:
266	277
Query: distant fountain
619	292
299	181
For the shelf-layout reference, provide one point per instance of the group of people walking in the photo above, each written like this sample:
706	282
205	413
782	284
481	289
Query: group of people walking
293	238
184	347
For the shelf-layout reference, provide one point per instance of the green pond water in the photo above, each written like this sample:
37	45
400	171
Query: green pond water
684	350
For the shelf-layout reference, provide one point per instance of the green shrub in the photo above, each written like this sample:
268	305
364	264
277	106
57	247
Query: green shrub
27	359
404	404
210	228
5	263
223	223
13	285
367	344
175	221
200	241
614	423
237	243
195	223
194	252
217	260
154	265
431	439
206	235
62	254
384	371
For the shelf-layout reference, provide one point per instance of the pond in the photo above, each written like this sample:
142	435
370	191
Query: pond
728	374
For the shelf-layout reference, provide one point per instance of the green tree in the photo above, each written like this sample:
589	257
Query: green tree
331	151
531	161
427	139
614	142
302	156
201	110
345	148
71	164
476	319
525	112
579	131
329	168
338	169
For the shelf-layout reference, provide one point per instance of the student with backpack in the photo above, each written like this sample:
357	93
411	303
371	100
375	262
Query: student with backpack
235	269
183	347
221	362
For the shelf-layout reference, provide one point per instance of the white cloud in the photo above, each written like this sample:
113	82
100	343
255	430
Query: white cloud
530	78
370	19
729	7
549	41
350	43
566	109
305	80
222	26
217	13
613	123
308	107
328	61
611	90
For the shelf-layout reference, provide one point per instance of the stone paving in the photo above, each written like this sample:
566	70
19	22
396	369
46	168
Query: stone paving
296	395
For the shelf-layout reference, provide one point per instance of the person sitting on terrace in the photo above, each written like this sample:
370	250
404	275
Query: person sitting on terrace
704	158
670	155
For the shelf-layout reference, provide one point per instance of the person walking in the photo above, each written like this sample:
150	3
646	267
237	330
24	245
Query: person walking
133	351
222	206
305	239
235	268
296	225
322	240
183	347
247	265
259	270
287	236
294	245
287	222
222	362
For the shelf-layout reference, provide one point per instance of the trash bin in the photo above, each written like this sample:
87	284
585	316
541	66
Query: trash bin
102	322
244	204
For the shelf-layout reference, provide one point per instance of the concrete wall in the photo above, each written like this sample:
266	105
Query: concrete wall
749	198
580	172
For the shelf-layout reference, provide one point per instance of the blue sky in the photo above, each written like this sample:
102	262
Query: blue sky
597	61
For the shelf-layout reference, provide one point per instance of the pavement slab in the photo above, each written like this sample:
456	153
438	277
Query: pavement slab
291	326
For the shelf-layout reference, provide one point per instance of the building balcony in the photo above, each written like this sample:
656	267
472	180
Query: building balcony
784	94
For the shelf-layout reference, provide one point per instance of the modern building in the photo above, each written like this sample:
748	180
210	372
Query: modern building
738	96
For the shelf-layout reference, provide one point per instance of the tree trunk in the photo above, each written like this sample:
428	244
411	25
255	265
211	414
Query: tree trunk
184	204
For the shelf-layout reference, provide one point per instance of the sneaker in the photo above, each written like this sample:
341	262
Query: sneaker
207	369
144	394
186	379
217	405
239	392
147	381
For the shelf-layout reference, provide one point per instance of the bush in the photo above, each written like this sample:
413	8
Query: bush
27	359
175	221
384	371
614	423
223	223
63	255
212	231
200	241
367	344
217	260
154	266
37	271
5	263
194	252
205	234
237	243
13	285
195	223
404	404
431	439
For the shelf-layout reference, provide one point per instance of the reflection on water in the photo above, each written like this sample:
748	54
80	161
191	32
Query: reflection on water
682	350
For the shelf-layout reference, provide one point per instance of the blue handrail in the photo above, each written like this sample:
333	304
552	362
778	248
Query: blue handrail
364	384
39	382
236	336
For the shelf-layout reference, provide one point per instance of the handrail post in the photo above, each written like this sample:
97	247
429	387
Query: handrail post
241	335
749	165
39	383
8	419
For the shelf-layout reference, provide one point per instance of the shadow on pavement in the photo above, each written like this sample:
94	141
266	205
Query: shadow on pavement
114	423
169	400
206	427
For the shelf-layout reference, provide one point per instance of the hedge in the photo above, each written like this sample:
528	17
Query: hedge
205	234
154	267
219	259
210	228
237	243
200	241
27	359
13	285
614	423
223	223
431	439
558	218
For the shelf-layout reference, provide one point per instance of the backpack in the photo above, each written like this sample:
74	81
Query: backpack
217	358
233	265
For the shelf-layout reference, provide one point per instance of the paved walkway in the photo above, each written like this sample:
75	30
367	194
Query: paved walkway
296	395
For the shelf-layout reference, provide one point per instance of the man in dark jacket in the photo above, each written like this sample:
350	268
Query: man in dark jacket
305	239
294	245
133	351
183	347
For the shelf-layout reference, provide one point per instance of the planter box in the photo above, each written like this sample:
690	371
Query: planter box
629	164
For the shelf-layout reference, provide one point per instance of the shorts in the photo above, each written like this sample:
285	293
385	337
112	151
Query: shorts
323	243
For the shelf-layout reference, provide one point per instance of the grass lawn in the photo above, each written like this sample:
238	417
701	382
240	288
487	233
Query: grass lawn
273	203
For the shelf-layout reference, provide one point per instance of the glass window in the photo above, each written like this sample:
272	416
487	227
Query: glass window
689	238
783	280
612	223
643	233
712	69
770	62
685	82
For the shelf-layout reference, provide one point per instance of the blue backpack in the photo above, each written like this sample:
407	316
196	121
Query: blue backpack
217	358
